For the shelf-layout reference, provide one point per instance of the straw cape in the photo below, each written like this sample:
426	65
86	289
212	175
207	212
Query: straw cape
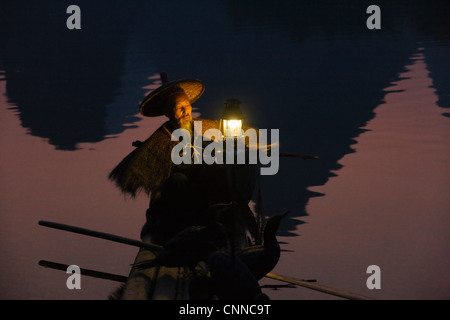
150	164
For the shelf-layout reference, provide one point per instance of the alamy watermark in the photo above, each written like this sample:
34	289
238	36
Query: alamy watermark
228	151
73	22
374	20
74	280
374	280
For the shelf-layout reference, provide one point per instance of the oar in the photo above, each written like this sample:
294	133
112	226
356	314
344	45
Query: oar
102	235
85	272
318	287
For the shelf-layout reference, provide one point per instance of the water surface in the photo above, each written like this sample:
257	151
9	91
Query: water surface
372	104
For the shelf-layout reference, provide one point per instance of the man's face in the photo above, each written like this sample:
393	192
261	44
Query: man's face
179	110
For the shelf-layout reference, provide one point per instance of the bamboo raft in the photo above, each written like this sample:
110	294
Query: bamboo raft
156	283
168	283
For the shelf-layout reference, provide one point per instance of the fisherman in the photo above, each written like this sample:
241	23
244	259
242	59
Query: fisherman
150	164
184	198
178	192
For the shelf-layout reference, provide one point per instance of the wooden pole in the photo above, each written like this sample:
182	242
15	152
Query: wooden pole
85	272
101	235
298	155
317	287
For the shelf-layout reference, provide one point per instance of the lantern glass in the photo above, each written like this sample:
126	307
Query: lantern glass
232	128
231	120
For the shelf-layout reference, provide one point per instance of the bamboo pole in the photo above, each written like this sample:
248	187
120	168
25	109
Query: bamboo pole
101	235
149	246
120	278
298	155
85	272
317	287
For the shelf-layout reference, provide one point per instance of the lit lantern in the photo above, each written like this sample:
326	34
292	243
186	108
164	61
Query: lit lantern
232	120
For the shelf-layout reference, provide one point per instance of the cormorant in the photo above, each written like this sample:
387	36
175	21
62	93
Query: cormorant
261	259
192	244
188	247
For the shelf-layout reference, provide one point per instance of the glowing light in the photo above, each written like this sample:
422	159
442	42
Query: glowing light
232	128
231	120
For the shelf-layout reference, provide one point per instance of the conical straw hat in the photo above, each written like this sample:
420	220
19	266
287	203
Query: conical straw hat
152	105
